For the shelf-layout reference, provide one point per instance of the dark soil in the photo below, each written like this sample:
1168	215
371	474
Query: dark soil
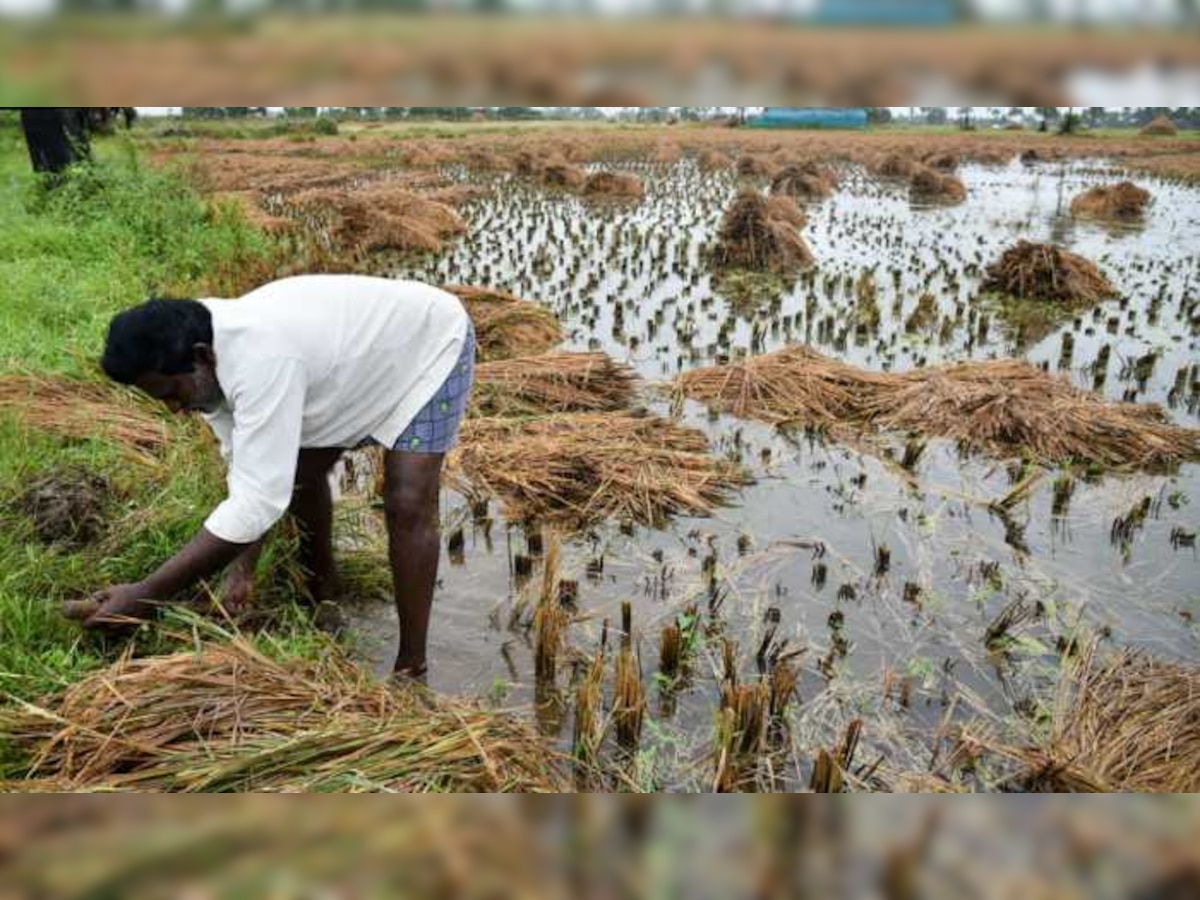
67	507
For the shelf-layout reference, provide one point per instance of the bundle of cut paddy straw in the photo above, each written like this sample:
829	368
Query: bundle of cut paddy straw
552	383
613	184
583	468
386	218
795	385
1010	406
76	409
1129	725
760	235
810	181
1161	126
932	186
506	326
1004	407
1047	273
1123	202
225	718
564	176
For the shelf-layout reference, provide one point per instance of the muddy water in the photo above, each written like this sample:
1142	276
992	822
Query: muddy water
805	538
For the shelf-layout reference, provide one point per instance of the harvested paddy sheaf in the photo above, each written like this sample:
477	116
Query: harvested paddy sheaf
807	182
1130	724
941	162
1160	126
1049	274
931	186
223	717
895	165
714	161
1121	202
760	235
621	185
749	166
506	326
77	410
563	176
552	383
379	218
795	385
583	468
1004	407
1012	407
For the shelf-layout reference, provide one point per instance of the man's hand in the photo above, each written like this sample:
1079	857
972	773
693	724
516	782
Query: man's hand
237	590
121	606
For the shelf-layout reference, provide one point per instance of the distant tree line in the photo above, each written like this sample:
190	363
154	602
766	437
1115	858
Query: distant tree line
1046	117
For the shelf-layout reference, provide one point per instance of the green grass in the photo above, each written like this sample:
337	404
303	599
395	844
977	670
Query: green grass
70	258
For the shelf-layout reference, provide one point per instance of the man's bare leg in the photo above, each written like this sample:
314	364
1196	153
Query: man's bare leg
312	507
411	482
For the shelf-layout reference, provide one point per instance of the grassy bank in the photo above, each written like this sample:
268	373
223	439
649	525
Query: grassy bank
111	235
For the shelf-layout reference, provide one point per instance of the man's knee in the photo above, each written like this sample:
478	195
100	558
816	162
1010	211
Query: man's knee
410	506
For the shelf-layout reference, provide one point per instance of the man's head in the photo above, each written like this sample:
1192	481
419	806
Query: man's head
165	348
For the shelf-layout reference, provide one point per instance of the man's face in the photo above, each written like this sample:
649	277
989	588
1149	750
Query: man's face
195	391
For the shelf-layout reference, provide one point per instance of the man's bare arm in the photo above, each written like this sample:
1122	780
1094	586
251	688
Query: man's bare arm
203	557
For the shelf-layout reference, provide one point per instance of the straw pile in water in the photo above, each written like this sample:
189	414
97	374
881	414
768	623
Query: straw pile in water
760	235
1010	406
505	326
795	385
1005	407
713	161
1130	725
810	181
360	221
225	718
613	184
583	468
552	383
81	409
749	166
564	176
1124	202
1160	125
1049	274
895	165
931	186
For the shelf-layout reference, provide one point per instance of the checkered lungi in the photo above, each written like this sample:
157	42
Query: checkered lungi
435	428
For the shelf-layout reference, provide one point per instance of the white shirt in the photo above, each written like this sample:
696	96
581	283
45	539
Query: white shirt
320	361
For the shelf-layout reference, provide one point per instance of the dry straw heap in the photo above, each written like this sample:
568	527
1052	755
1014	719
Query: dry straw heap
1128	725
583	468
932	186
613	185
809	182
381	218
1162	126
760	235
74	409
1123	202
553	383
505	326
563	176
1004	407
1049	274
225	718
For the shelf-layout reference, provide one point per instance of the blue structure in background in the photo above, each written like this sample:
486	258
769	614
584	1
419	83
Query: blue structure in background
885	12
811	117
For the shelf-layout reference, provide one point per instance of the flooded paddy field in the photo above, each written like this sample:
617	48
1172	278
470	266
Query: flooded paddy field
837	595
916	590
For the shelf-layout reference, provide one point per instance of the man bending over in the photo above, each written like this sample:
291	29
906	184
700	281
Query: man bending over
289	377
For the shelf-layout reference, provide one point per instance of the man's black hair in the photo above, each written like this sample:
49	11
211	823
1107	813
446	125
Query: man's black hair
158	336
